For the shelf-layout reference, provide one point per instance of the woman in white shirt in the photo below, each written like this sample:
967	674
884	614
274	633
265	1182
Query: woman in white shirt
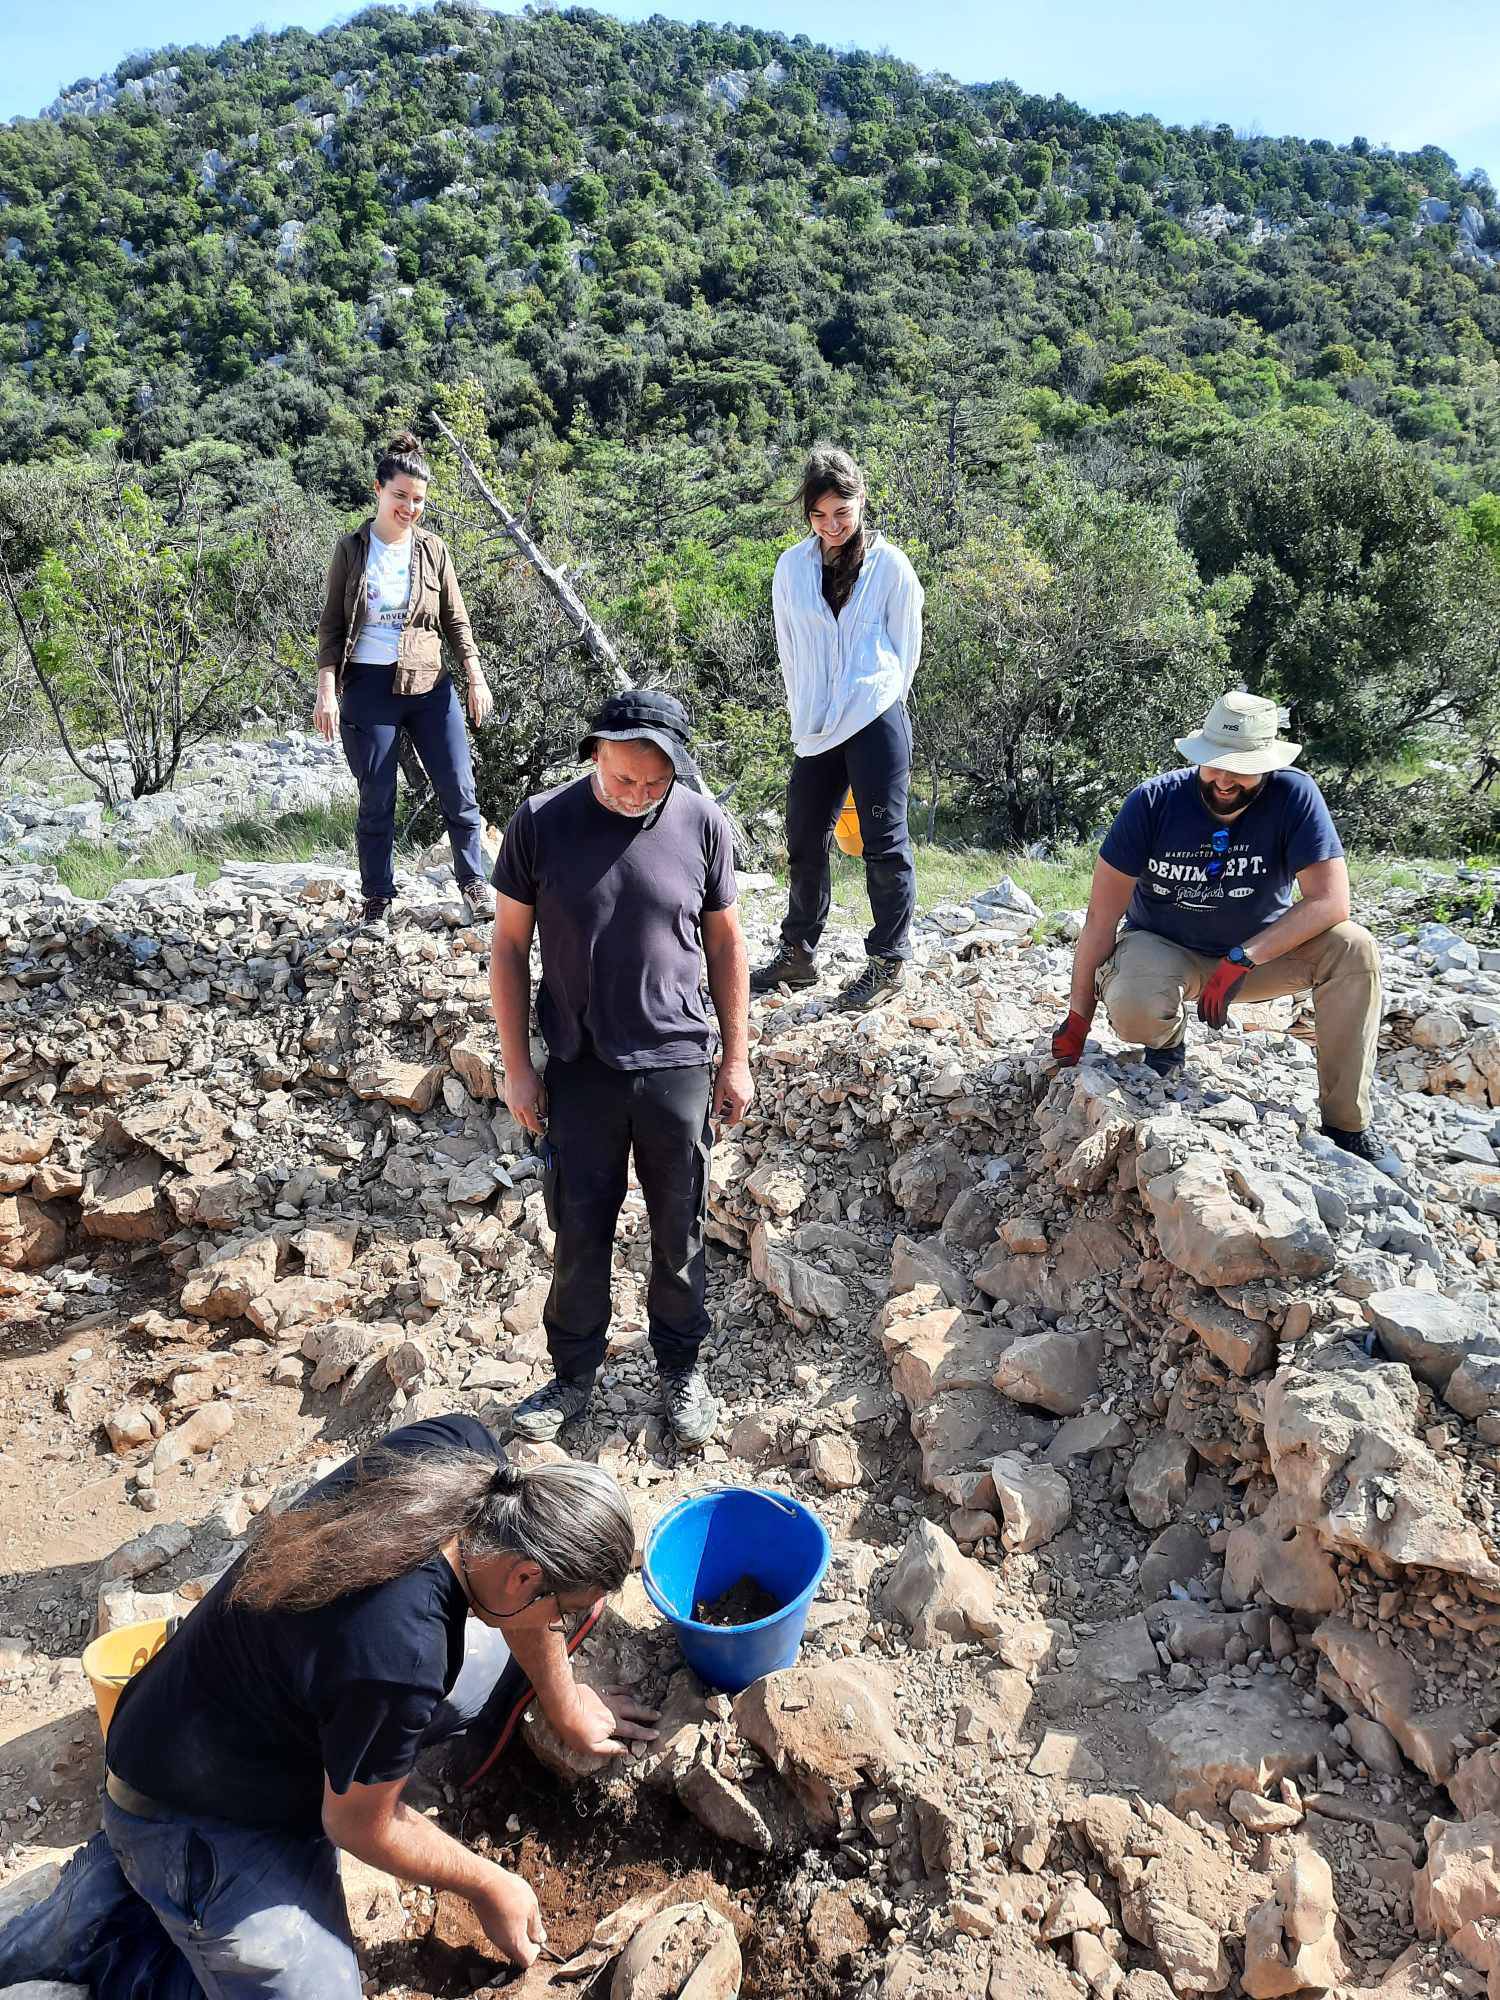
848	610
392	599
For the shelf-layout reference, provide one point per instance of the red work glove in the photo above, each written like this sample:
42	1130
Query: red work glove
1068	1040
1224	982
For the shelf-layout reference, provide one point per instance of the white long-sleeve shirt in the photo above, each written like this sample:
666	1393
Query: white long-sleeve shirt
842	672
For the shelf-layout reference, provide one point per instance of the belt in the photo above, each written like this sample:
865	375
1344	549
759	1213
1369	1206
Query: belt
128	1799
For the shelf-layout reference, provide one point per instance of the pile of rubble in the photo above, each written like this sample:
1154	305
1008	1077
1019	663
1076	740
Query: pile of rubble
257	777
1160	1441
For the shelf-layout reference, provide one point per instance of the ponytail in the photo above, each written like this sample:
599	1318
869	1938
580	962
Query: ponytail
571	1520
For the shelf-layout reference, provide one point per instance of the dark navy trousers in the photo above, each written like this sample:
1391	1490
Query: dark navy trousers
598	1118
876	764
371	719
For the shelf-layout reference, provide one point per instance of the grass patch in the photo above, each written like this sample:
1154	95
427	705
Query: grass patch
321	833
954	874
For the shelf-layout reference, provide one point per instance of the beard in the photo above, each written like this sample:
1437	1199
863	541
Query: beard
1206	793
628	812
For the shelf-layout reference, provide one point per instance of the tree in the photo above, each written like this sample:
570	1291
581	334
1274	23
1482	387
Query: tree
1065	645
1364	609
143	640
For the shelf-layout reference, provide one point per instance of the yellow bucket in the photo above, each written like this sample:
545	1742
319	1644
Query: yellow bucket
112	1659
846	828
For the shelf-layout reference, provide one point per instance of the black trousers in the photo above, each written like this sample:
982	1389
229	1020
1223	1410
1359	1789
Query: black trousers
596	1118
876	763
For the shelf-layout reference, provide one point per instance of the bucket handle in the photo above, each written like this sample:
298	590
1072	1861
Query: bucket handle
776	1499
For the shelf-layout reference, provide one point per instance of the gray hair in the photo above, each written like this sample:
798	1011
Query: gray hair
571	1520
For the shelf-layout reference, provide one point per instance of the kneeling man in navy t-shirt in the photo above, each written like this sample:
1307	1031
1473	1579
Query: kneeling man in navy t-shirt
1201	865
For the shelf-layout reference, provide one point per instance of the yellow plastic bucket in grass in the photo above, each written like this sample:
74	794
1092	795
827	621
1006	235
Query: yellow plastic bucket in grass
112	1659
846	829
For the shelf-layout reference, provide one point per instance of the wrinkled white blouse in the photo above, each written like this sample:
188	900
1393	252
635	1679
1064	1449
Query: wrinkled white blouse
842	672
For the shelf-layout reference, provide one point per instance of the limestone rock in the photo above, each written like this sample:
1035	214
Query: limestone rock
686	1952
1384	1683
340	1346
804	1293
834	1463
231	1278
182	1126
133	1424
1474	1786
1349	1461
1242	1739
200	1432
31	1234
778	1186
476	1068
826	1730
1290	1942
121	1203
1245	1346
1431	1334
934	1350
407	1086
927	1180
1156	1487
1055	1370
939	1592
1035	1501
1459	1884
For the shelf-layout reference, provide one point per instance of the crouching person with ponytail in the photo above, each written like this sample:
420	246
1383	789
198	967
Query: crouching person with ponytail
389	1610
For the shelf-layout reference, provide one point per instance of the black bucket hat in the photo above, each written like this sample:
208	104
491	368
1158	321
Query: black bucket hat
645	715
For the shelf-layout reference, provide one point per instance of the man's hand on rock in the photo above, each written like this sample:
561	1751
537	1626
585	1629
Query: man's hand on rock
733	1089
1068	1040
526	1098
606	1724
1224	982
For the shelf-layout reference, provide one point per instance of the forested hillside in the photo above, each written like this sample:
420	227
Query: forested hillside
1249	385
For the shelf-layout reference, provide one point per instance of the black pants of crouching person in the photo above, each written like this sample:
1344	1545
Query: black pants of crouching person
597	1118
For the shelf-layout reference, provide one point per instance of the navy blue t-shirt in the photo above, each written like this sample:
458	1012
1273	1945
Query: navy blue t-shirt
619	909
1163	835
242	1712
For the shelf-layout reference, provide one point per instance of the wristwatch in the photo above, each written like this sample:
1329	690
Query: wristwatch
1237	955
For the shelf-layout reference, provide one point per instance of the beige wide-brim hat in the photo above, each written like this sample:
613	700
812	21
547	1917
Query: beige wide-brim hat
1240	736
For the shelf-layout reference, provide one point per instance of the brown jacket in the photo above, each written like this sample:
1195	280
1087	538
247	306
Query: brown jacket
434	612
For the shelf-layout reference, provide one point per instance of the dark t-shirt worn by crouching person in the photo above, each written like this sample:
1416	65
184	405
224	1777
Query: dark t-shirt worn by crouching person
1165	836
242	1712
619	905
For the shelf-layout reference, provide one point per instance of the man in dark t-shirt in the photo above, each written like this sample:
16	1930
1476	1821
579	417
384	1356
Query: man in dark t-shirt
627	876
1201	864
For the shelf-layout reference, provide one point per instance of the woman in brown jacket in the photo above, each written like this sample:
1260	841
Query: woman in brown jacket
392	599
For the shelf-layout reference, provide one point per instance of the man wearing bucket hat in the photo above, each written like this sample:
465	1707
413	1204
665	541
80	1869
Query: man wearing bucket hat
1201	864
627	876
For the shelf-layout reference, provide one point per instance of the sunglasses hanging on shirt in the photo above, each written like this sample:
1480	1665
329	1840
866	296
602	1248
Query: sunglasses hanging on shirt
1219	859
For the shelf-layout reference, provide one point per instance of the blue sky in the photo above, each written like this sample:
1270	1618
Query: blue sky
1400	75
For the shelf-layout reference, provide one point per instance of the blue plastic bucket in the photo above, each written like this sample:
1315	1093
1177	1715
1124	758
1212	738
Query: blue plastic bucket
700	1548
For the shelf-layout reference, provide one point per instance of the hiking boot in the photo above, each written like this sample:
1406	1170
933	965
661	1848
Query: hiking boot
478	898
691	1410
375	910
1169	1063
547	1409
792	966
1365	1145
881	978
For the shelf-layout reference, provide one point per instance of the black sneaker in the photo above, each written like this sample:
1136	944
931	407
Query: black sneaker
1365	1145
1168	1062
880	979
691	1410
478	899
792	966
547	1409
376	909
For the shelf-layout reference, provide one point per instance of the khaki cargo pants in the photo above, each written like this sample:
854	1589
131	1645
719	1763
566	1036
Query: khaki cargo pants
1149	982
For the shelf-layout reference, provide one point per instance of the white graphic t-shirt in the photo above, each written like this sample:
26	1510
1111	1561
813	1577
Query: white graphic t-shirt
387	588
